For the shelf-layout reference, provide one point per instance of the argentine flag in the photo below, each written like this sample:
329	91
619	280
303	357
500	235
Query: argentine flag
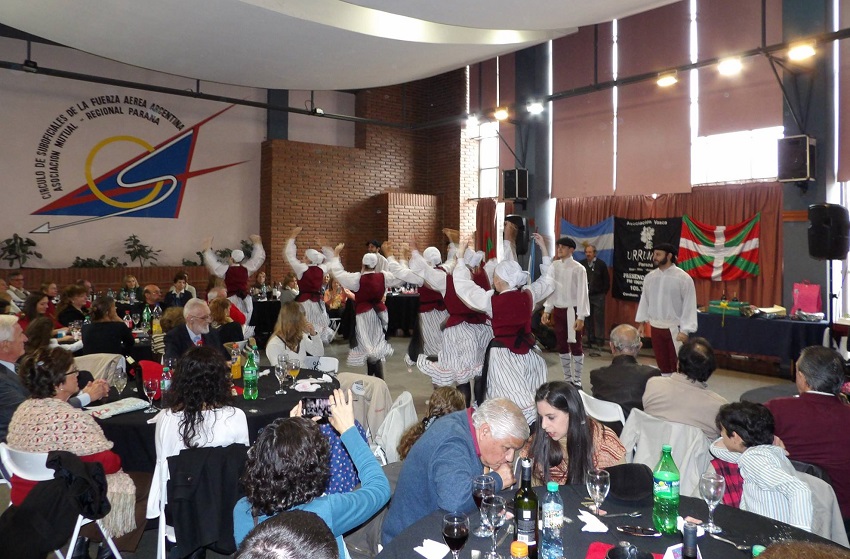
600	235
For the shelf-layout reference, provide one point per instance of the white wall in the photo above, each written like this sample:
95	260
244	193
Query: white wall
223	203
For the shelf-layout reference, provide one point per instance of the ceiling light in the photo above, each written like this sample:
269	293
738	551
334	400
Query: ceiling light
667	79
535	107
471	121
501	113
801	51
729	66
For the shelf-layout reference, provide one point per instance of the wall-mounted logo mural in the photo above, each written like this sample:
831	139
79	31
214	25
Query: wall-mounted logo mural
150	183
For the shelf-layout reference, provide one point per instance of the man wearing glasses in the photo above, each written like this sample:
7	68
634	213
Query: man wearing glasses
196	332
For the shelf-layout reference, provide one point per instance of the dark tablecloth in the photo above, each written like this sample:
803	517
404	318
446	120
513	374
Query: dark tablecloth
739	526
133	436
780	338
766	393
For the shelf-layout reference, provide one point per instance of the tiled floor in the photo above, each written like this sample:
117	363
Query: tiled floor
729	384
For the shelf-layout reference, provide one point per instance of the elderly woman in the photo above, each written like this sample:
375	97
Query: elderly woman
46	422
259	284
201	413
179	293
107	333
514	369
293	337
131	285
72	305
50	289
568	442
288	468
228	330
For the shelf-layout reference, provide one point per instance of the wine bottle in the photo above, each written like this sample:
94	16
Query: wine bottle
525	509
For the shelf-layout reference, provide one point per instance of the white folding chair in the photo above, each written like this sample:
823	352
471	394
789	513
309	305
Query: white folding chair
334	325
32	466
324	364
602	410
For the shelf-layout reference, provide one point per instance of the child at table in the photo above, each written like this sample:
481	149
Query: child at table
771	486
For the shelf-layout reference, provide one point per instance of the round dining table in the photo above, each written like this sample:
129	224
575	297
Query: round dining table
133	436
739	526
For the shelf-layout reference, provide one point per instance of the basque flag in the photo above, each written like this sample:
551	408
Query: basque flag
720	253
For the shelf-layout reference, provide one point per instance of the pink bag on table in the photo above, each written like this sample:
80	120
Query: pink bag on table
806	298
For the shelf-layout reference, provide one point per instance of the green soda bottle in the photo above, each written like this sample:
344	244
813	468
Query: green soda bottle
665	508
249	378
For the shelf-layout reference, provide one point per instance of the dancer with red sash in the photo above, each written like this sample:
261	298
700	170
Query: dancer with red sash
310	273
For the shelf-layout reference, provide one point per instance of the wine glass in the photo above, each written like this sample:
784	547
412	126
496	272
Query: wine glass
493	511
482	486
136	320
151	384
280	371
119	380
293	367
455	531
598	483
711	487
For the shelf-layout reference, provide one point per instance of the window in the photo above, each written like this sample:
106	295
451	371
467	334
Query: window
749	155
487	134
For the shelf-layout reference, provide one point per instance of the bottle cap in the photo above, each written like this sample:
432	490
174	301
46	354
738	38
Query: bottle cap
757	550
519	549
666	448
552	486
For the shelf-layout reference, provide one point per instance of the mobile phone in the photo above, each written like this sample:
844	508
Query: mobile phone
315	407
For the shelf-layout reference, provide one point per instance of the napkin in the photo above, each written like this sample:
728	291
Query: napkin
591	523
306	386
126	405
432	550
680	525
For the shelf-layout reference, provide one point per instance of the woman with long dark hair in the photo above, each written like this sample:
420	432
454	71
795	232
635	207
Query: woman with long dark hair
37	304
107	333
72	305
567	441
200	412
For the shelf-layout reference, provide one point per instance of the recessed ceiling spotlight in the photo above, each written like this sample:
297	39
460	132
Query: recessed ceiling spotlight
729	66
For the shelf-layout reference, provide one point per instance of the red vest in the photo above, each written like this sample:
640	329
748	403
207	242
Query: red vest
310	285
512	320
429	299
458	311
236	280
481	279
371	293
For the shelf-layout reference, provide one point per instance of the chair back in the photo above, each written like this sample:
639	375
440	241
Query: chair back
328	365
150	370
602	410
101	365
401	416
826	515
372	400
643	436
27	465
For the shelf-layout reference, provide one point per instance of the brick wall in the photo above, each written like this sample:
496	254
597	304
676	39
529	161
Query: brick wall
340	194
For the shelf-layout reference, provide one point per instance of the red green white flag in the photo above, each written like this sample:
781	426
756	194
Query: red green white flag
720	253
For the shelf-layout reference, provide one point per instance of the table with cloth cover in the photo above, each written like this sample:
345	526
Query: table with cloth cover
133	436
739	526
779	338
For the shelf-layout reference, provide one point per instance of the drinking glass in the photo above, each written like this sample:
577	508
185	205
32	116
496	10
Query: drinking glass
169	362
455	531
293	367
151	385
482	486
711	487
280	371
137	320
598	483
119	380
493	512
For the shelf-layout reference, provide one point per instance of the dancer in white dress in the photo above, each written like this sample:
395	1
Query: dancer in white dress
310	274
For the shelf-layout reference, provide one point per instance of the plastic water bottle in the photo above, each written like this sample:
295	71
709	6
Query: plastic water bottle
665	508
552	546
128	320
249	378
165	381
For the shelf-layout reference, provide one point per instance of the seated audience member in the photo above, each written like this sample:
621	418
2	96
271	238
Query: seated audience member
568	442
50	289
73	305
131	285
293	336
290	288
107	333
624	380
813	426
443	401
36	305
6	296
6	304
196	331
15	288
152	297
179	294
771	487
228	330
220	292
87	285
170	319
335	297
40	336
795	549
200	413
684	397
259	284
288	468
46	422
438	470
292	534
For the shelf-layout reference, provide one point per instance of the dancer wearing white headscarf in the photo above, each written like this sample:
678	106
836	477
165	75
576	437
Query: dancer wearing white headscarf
371	321
513	368
310	273
236	273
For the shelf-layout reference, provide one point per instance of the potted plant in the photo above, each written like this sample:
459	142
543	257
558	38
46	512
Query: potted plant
18	249
137	250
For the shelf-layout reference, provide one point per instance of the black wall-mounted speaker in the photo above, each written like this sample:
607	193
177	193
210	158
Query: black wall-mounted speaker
829	232
515	184
522	234
796	162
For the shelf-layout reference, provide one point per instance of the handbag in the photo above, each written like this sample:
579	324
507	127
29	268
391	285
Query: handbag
806	298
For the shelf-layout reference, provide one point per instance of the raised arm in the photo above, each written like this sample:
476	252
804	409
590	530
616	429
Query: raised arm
469	292
258	255
213	264
349	280
290	253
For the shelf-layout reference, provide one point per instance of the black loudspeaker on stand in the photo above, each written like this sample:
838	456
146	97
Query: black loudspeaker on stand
829	239
522	234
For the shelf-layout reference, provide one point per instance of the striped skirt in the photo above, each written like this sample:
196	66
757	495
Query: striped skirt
461	356
517	378
371	339
318	317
